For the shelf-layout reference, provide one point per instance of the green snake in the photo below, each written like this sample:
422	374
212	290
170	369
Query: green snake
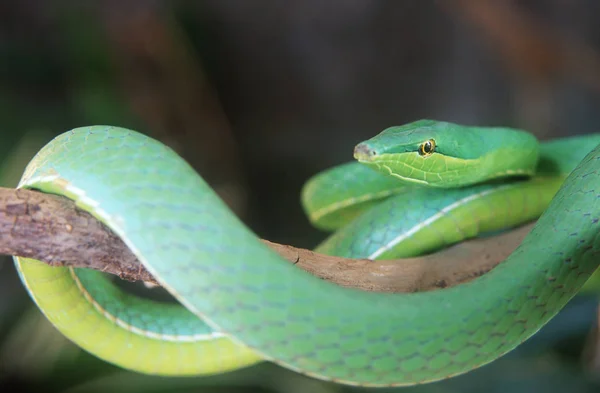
241	303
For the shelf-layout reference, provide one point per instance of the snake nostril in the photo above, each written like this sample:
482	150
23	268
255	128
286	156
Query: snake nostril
363	151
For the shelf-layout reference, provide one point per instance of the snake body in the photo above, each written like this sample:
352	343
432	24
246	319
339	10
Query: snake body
409	221
241	303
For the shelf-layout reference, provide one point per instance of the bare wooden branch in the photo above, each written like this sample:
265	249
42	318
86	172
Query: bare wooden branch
52	229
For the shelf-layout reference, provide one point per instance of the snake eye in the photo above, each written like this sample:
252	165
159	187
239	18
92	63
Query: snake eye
427	147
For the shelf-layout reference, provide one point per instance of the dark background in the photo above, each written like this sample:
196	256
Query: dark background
260	95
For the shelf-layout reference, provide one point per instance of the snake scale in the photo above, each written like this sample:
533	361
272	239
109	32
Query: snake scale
239	303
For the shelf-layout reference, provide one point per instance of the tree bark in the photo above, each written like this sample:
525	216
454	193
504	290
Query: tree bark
52	229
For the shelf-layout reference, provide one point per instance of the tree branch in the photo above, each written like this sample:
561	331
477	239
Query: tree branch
52	229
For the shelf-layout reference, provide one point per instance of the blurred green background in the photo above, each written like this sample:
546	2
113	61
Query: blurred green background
260	95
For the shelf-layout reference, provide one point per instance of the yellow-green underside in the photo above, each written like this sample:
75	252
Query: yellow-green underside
66	307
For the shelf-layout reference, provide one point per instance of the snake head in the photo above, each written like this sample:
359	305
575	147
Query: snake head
442	154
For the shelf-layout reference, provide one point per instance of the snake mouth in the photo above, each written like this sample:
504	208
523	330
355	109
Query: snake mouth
364	153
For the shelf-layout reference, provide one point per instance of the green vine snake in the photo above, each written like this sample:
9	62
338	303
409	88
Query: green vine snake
417	188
